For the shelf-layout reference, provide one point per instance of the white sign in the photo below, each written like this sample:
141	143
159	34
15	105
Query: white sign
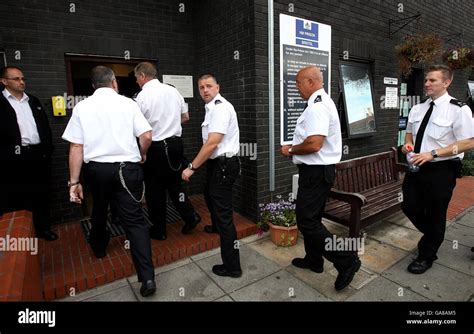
303	43
183	83
390	81
391	97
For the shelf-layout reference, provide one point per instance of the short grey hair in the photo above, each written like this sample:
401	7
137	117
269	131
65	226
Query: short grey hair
147	68
102	76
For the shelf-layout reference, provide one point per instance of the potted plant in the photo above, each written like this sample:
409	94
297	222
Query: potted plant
459	58
417	49
279	217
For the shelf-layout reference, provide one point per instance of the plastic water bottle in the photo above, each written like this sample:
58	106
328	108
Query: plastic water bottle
412	168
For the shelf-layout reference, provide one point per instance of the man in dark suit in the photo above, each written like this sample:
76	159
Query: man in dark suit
25	152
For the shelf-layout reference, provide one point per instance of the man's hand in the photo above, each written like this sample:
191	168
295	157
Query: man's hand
407	148
75	194
420	158
284	150
187	173
143	159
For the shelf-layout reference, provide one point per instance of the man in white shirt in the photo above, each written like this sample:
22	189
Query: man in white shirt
316	148
432	126
220	137
165	110
102	132
25	152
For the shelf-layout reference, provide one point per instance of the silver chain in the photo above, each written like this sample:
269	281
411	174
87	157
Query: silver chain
168	158
122	180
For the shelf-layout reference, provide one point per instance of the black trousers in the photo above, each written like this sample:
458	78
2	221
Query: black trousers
24	185
160	178
105	186
221	175
314	184
426	196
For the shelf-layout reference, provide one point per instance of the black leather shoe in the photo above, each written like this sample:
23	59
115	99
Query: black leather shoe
148	288
220	270
346	276
187	228
303	264
210	229
48	235
419	266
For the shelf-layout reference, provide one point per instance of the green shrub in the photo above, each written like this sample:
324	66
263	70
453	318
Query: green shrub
467	167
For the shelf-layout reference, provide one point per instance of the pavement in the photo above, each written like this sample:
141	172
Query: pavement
390	245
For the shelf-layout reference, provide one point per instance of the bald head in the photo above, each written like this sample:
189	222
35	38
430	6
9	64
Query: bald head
309	80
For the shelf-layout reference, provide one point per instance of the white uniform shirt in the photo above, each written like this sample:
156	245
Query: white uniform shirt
107	124
24	116
448	123
319	118
222	118
162	106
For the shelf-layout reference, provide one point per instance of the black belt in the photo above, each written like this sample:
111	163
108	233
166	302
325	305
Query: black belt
31	147
163	142
112	163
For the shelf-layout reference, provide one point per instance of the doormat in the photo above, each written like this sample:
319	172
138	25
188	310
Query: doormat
117	230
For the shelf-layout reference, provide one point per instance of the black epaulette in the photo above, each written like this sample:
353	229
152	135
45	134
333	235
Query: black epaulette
318	99
217	102
457	102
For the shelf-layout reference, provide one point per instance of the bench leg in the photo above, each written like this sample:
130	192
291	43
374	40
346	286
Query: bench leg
354	228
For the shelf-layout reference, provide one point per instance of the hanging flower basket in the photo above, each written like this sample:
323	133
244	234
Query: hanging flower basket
417	50
459	58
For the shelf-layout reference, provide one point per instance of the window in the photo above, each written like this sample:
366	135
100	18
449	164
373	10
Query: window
356	82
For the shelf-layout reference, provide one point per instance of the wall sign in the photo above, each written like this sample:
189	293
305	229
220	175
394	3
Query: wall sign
303	43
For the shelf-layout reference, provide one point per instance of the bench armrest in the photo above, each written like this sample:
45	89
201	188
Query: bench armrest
351	198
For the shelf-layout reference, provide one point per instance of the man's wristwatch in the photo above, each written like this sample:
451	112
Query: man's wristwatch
434	154
191	167
290	150
70	184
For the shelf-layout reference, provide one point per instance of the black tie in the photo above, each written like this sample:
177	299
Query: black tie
421	130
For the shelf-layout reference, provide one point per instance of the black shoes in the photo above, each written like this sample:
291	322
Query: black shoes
220	270
210	229
303	264
99	253
419	266
346	276
187	228
148	288
48	235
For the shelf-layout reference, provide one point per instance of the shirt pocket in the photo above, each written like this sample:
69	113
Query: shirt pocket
416	122
439	128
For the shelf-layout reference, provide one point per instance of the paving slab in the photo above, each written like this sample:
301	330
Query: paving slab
399	218
281	286
280	255
395	235
226	298
335	228
123	294
324	282
466	218
162	269
463	234
186	283
254	268
382	289
96	291
379	256
457	257
438	283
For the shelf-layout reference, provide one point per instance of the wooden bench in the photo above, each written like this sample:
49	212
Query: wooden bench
366	189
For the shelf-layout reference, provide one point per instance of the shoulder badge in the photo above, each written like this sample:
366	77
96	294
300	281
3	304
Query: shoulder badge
456	102
318	99
218	102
